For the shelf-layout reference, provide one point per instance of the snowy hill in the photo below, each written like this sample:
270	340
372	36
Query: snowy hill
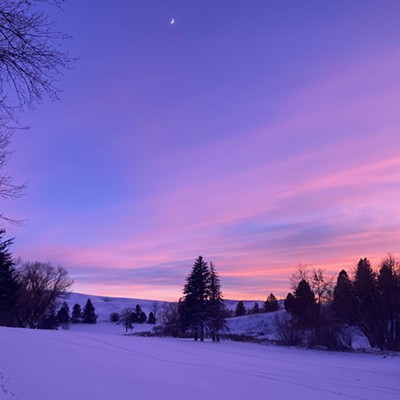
106	305
259	325
67	365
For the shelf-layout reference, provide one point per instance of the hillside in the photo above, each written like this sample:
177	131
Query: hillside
106	305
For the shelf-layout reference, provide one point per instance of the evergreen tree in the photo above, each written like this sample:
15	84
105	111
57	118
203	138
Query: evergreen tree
194	309
304	305
49	320
288	303
9	285
216	308
151	319
240	309
368	310
343	299
271	304
142	317
63	316
89	315
76	316
139	316
389	293
255	309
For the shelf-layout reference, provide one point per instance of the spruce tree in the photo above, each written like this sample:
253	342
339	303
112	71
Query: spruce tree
343	299
89	313
76	316
255	309
49	319
216	308
63	316
271	304
368	310
289	302
142	318
240	309
194	307
9	285
389	294
304	307
151	319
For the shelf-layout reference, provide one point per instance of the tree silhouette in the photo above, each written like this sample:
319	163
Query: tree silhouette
271	304
389	293
194	310
42	286
240	309
343	299
151	319
31	58
9	285
216	308
63	316
89	315
76	316
368	311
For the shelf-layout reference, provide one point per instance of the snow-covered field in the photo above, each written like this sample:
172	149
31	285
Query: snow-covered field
96	362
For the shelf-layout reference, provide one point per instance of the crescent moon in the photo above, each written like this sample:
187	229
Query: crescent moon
172	21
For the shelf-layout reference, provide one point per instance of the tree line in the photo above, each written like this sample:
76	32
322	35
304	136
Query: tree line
270	304
326	313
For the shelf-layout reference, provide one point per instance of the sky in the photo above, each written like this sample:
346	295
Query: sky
261	135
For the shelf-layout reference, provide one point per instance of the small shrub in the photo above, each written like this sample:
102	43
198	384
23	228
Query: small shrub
114	317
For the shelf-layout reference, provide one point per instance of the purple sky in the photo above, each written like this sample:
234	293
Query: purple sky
258	134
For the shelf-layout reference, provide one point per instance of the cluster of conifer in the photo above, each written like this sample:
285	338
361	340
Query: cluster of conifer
327	314
270	304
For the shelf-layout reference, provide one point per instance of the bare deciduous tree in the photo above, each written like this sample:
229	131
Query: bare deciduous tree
42	285
30	57
126	318
30	61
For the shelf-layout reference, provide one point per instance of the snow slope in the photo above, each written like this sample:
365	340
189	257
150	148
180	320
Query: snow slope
66	365
106	305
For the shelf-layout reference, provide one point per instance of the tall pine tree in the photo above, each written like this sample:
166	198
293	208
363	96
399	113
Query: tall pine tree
215	305
304	307
63	316
196	292
343	299
76	316
240	309
368	310
9	285
89	313
389	294
271	304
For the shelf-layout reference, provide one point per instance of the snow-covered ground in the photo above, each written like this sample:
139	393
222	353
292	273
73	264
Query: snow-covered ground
94	363
100	362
